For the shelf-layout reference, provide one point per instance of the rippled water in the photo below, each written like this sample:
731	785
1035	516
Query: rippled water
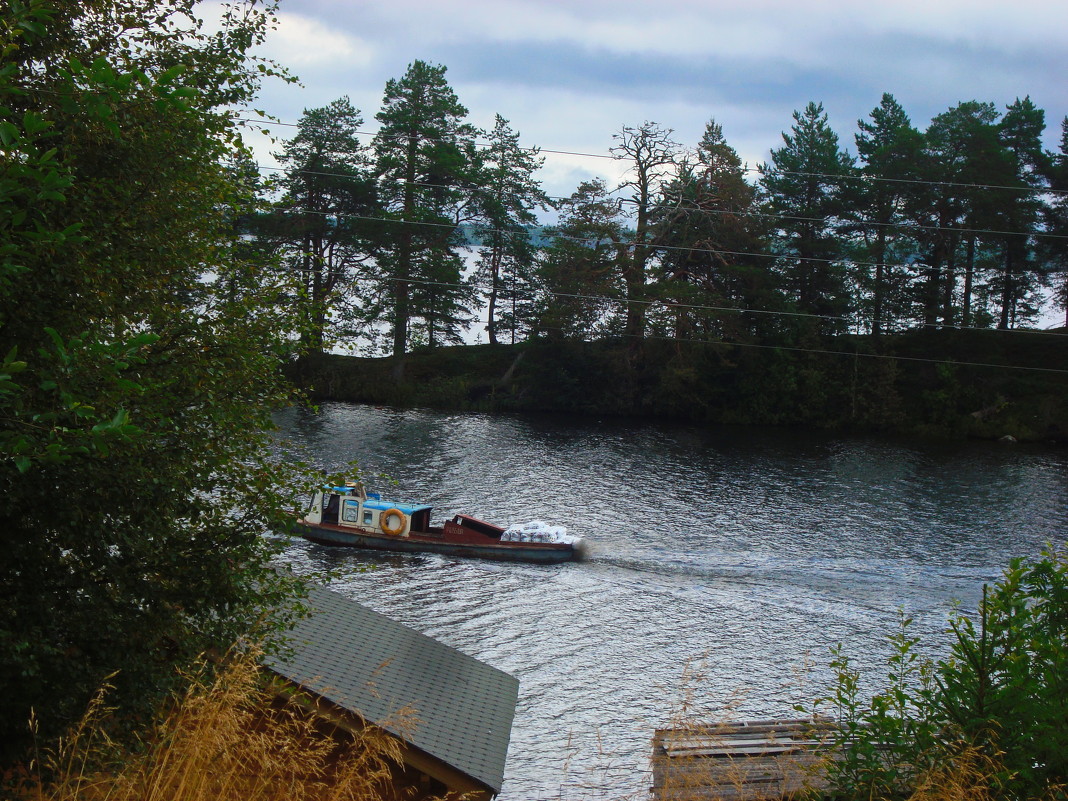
724	563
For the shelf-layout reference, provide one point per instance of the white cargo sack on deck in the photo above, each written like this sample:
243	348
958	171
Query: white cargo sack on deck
538	531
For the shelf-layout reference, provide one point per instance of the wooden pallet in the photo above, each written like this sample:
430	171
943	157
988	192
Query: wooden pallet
741	761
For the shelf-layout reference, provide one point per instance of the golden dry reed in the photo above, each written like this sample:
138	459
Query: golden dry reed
232	737
965	775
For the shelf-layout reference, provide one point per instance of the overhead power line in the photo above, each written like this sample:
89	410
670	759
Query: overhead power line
789	348
610	243
760	170
837	226
670	304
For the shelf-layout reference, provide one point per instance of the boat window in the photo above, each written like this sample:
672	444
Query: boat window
350	511
367	517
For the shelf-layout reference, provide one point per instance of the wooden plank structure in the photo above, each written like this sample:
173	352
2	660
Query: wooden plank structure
741	761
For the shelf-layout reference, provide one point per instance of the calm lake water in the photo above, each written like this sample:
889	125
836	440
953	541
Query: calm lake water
724	563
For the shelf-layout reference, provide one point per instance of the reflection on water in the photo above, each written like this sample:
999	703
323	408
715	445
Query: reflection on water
735	555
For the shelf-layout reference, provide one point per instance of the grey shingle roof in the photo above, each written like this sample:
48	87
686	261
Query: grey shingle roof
372	665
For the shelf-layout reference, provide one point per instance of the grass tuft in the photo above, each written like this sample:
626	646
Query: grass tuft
232	735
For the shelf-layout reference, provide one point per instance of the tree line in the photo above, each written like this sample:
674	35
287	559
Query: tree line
963	224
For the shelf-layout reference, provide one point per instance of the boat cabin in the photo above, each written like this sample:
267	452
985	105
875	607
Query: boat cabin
351	516
354	507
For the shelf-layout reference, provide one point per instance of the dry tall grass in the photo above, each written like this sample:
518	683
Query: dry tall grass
965	774
229	738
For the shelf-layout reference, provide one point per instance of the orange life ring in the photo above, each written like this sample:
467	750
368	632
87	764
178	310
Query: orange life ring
383	521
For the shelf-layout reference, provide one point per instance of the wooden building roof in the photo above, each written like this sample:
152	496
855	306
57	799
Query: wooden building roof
371	666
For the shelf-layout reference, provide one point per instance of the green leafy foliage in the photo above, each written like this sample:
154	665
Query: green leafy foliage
579	269
707	289
136	477
425	157
808	186
885	741
506	261
1005	687
320	229
1001	695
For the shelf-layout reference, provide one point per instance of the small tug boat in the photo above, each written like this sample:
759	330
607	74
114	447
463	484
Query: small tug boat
352	516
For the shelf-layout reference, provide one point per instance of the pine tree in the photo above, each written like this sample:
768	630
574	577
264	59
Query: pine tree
320	228
710	221
506	264
962	157
1055	245
426	164
1020	132
808	186
889	147
579	270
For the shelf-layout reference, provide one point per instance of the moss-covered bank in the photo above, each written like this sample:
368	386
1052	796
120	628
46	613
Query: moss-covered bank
851	383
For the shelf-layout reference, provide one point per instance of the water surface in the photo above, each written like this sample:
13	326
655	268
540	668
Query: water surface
723	563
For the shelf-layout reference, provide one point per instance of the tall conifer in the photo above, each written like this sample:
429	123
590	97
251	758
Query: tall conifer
711	221
889	148
808	186
321	226
508	197
426	158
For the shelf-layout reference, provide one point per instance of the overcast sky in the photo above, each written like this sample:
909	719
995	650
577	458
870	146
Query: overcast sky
570	74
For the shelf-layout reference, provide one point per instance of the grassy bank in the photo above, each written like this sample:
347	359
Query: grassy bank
985	384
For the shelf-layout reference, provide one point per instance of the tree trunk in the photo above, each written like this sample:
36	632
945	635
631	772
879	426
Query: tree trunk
878	290
931	292
1006	288
404	263
634	275
969	280
949	283
495	279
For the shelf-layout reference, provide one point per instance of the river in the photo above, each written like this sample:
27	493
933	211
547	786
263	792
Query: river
724	564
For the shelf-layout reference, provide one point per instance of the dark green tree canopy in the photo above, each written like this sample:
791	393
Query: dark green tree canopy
426	165
890	149
715	233
323	228
507	199
137	384
806	187
652	159
579	269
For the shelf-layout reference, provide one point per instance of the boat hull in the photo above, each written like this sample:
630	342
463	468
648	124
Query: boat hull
536	552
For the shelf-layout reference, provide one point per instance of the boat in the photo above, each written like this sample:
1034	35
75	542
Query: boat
352	516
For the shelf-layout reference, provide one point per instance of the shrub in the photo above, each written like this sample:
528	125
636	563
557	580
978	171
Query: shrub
992	716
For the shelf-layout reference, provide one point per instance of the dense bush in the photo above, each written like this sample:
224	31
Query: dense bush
998	701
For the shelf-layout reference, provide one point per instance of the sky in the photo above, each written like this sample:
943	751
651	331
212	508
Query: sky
568	75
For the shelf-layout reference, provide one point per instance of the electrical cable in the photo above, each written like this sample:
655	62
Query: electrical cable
710	308
708	212
761	170
793	348
615	244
